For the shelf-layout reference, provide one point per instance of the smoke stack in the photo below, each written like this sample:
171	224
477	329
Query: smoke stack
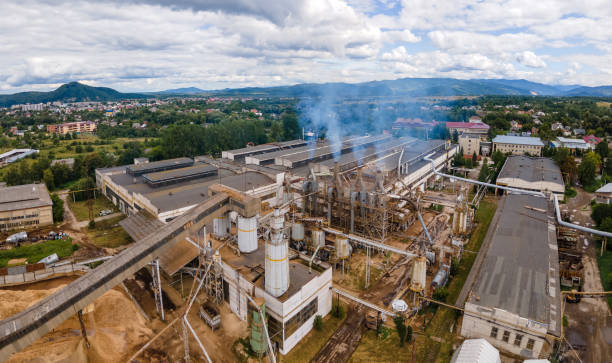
277	258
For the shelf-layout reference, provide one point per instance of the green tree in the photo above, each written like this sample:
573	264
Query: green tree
484	173
602	149
606	224
440	293
400	327
58	208
48	178
587	170
291	127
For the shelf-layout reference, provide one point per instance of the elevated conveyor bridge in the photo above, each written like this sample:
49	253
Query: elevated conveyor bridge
22	329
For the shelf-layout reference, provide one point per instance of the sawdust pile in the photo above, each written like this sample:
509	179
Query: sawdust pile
115	329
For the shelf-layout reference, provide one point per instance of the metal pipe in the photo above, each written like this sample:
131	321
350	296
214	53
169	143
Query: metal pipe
196	338
312	258
575	226
370	243
424	227
515	190
540	194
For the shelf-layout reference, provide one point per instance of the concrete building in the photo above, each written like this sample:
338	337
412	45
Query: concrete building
532	173
470	144
474	128
604	194
25	206
290	315
515	301
518	145
77	127
168	188
15	154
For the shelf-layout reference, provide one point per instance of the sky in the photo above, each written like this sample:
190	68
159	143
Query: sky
150	45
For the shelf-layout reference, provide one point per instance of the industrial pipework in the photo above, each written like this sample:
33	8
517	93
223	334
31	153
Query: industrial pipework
523	191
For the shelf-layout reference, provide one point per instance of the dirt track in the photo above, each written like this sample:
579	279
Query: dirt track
343	343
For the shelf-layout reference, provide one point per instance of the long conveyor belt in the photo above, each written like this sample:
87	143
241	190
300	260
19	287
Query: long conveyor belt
22	329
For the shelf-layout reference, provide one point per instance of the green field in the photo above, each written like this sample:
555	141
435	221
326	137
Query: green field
65	149
108	233
38	251
81	210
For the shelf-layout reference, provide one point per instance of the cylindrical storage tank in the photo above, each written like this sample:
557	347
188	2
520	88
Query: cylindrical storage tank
440	278
247	234
342	247
221	226
258	337
318	238
277	259
297	231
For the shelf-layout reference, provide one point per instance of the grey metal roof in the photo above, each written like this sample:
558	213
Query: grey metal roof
605	189
271	147
24	196
166	175
519	140
355	158
159	165
269	157
514	273
531	169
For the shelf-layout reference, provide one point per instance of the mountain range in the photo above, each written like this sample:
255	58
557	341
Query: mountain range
404	87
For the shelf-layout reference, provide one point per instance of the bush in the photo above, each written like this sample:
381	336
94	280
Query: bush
440	294
402	331
338	311
58	208
318	323
92	224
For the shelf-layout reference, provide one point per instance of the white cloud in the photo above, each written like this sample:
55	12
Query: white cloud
530	59
143	44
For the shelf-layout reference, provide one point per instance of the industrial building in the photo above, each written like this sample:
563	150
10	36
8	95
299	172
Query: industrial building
168	188
572	144
15	154
532	173
25	206
477	128
515	302
518	145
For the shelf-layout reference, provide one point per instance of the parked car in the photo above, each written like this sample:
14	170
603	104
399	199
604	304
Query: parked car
105	212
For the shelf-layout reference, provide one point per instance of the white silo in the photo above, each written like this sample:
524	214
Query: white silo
221	226
318	238
277	258
297	231
247	234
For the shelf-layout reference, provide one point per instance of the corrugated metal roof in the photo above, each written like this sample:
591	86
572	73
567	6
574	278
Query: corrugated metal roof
520	140
24	196
605	189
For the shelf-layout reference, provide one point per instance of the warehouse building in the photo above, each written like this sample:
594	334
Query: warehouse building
515	301
518	145
537	174
168	188
25	206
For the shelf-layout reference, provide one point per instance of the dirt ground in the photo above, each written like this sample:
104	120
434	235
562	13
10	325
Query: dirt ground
589	322
114	326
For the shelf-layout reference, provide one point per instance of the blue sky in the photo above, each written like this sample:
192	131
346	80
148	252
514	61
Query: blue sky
147	45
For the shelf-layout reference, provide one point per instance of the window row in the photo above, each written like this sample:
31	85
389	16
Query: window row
518	338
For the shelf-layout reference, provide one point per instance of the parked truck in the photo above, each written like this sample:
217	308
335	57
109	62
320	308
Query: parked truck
210	315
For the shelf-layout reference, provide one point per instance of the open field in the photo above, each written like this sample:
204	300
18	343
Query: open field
36	252
68	148
81	210
108	233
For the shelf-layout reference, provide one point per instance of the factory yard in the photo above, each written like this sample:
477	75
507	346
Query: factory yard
204	249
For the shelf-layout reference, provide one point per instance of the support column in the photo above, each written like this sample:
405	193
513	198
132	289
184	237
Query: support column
157	289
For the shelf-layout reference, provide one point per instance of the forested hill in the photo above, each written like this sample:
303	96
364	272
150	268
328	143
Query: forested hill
69	92
422	87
